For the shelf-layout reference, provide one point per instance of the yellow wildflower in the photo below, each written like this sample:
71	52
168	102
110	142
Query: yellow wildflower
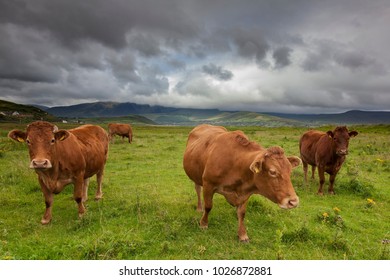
336	210
325	215
370	201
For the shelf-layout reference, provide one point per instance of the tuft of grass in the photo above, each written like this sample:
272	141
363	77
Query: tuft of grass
358	187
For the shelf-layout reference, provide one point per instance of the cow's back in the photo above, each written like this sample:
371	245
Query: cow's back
120	129
199	142
310	144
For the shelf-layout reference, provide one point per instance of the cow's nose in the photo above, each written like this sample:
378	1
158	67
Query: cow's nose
40	164
342	152
293	202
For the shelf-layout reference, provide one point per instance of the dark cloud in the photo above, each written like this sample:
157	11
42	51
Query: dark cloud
217	72
333	53
250	44
29	61
106	22
145	44
282	57
353	60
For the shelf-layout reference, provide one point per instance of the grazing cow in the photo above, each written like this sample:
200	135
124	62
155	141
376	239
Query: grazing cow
62	157
326	151
229	164
120	129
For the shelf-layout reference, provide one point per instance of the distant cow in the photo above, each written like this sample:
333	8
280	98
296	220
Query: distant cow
229	164
326	151
120	129
62	157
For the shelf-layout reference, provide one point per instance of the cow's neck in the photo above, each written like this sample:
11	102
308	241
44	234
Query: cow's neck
50	176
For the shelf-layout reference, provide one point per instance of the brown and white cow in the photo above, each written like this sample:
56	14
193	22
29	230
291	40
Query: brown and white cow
123	130
62	157
229	164
327	151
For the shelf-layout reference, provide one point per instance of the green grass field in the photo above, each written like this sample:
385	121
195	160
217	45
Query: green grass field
148	208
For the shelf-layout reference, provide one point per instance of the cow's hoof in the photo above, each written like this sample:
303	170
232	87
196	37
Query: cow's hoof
244	239
320	193
45	221
202	226
331	193
98	197
81	215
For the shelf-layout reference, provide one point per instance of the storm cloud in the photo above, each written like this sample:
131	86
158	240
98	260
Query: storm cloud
284	56
217	72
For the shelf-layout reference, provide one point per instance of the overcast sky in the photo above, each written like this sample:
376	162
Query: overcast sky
298	56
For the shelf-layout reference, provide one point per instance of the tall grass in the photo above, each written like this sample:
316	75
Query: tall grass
148	210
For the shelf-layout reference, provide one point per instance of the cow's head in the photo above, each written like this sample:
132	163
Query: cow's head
41	138
272	171
340	139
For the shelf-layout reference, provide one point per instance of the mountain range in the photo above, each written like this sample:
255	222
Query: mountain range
147	114
187	116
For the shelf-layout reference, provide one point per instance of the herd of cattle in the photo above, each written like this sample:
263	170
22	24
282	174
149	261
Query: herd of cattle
215	159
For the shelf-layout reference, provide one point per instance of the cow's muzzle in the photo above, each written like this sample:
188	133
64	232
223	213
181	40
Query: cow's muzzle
289	202
40	164
342	152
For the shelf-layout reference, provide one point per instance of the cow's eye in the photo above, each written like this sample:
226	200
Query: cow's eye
273	173
28	142
52	141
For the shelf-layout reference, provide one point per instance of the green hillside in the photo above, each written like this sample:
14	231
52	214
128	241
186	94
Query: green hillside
10	111
222	118
169	115
132	119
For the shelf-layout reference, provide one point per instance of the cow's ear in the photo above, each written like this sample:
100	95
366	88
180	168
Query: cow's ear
17	135
295	161
330	134
353	133
61	135
256	165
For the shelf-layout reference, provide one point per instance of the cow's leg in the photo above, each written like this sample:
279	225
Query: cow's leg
198	190
48	202
99	178
208	194
304	163
321	174
241	210
332	178
313	170
78	194
85	189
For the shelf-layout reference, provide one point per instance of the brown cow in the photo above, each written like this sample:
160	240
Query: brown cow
326	151
62	157
120	129
229	164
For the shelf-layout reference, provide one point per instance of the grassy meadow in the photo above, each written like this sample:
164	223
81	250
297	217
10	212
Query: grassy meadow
148	208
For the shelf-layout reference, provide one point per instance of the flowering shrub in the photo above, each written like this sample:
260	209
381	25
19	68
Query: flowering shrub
332	218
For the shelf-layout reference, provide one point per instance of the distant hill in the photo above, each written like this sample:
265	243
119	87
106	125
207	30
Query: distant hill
185	116
169	115
349	117
221	118
113	109
146	114
10	111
